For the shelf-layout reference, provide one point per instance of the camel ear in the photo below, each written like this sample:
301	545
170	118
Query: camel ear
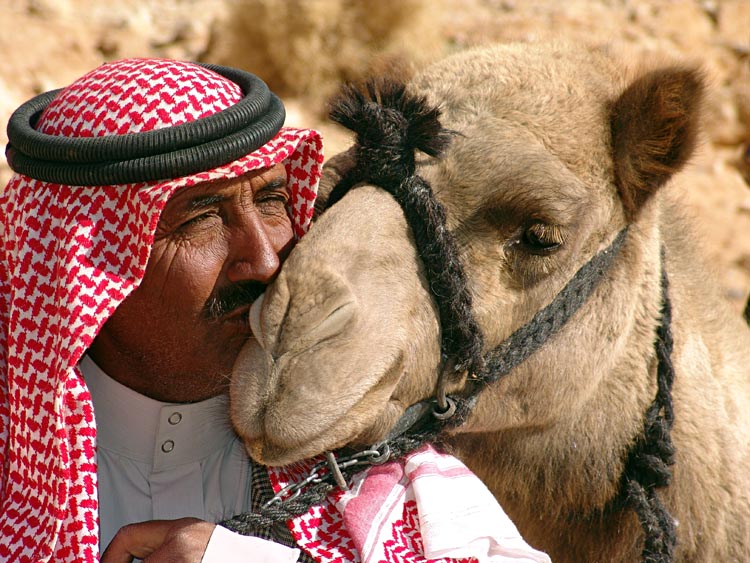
654	129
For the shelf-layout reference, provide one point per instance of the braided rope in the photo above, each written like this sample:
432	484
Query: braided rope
263	517
648	464
273	530
549	320
391	126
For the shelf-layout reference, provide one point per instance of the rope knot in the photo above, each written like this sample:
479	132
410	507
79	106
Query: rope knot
390	125
383	148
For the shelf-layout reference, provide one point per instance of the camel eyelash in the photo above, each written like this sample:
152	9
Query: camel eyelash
539	239
545	234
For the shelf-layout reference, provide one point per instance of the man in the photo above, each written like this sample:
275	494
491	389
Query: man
124	301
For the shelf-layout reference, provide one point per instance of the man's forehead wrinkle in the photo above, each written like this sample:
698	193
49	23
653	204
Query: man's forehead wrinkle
245	194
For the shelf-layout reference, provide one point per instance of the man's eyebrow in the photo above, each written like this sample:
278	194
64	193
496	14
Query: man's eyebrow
207	200
201	201
275	183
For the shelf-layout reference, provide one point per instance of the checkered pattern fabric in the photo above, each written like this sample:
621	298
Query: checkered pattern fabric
68	257
324	535
262	492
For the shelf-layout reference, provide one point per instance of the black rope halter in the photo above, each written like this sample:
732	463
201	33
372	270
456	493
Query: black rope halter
391	125
160	154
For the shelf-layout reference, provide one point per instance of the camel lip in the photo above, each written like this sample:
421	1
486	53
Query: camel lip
254	448
281	448
263	452
267	453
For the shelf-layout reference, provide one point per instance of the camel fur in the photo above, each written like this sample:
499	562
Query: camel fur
556	149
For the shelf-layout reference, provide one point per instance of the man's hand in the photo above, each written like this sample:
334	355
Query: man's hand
160	541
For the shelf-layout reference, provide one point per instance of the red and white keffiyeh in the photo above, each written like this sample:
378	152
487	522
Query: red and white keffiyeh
69	257
427	506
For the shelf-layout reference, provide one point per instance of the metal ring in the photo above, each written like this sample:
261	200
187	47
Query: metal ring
383	456
448	412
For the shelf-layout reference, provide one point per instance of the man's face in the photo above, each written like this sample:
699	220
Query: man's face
216	247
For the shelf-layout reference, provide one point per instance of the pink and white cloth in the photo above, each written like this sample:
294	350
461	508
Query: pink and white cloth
427	506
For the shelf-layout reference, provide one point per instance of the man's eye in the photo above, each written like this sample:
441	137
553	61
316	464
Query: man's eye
271	197
197	220
272	202
275	191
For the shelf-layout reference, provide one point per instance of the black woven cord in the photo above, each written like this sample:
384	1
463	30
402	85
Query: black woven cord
278	532
549	320
461	337
263	518
647	467
253	523
27	140
391	125
160	154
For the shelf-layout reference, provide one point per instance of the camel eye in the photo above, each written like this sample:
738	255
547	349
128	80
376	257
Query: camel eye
542	239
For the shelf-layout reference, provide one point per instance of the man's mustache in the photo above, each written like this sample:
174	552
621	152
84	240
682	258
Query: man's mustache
229	298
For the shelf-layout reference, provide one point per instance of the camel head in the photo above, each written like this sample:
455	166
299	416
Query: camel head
553	151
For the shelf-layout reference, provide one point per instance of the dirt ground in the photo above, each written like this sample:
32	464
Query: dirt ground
305	48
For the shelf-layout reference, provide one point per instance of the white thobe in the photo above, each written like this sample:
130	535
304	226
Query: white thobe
160	460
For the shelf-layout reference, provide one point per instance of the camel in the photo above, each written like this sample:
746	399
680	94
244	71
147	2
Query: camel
548	152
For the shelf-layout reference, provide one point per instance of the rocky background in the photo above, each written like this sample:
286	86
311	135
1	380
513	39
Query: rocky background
305	48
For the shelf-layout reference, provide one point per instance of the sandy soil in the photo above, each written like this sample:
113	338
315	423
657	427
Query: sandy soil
303	49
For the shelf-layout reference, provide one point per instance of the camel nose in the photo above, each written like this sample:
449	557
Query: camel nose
302	308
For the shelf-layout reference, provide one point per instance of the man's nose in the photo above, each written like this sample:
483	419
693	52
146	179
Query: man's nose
254	255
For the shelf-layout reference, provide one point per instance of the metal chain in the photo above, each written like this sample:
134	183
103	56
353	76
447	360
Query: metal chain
331	470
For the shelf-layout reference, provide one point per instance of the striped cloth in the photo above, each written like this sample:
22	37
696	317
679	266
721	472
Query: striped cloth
427	506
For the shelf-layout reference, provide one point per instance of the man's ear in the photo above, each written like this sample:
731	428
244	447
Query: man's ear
654	126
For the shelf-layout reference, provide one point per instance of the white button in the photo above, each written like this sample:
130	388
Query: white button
167	446
174	418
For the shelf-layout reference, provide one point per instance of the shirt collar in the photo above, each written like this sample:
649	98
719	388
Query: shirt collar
164	435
